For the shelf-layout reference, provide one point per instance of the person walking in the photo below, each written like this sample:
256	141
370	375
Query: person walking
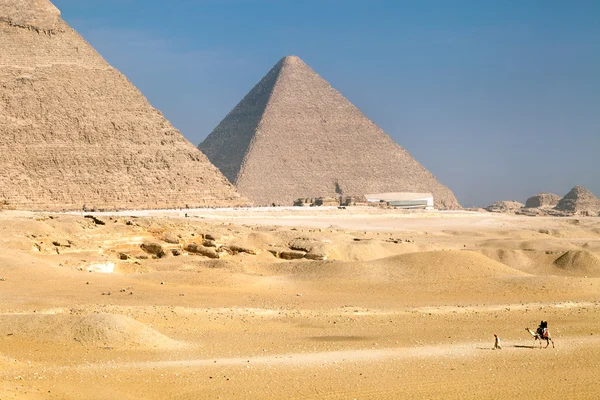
497	345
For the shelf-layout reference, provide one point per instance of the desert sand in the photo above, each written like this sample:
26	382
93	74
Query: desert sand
393	304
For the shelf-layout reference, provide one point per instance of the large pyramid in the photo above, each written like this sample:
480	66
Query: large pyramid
74	131
294	136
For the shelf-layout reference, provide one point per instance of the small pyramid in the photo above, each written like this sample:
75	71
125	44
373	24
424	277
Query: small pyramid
505	206
74	131
542	200
294	136
579	199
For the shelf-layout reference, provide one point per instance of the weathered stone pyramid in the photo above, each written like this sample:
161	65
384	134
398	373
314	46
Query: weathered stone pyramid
542	200
294	136
579	199
74	131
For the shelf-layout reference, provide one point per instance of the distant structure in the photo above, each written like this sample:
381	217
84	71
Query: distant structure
581	201
75	131
403	200
293	137
542	200
505	206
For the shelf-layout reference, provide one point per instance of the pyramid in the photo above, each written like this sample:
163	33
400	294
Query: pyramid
542	200
74	131
294	136
579	199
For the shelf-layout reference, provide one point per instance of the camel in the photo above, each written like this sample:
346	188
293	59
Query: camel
540	337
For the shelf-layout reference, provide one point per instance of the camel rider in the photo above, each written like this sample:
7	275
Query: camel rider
543	329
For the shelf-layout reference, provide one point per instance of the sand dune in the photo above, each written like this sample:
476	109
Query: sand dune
580	262
96	330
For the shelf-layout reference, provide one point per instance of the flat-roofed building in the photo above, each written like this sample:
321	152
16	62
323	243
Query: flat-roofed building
403	199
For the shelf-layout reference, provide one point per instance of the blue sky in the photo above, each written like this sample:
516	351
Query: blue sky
498	99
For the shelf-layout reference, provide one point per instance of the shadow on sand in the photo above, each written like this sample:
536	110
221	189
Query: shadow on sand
518	346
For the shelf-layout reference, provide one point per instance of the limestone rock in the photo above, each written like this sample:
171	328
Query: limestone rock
75	133
542	200
291	254
316	255
153	248
170	237
294	136
235	249
39	15
209	252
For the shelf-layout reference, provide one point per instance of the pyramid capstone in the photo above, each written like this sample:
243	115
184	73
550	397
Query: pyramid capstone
74	131
294	136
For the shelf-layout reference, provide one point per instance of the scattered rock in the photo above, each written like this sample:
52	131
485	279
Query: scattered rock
170	237
153	248
315	255
209	243
209	252
235	249
291	254
96	220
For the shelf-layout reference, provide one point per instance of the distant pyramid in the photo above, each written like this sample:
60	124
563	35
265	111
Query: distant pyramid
542	200
294	136
579	199
74	131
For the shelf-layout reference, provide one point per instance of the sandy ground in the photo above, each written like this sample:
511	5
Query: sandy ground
392	305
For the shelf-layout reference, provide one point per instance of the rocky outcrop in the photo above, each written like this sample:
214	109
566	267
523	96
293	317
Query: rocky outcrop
542	200
293	136
209	252
153	248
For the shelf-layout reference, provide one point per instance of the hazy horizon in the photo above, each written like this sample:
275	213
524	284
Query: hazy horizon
499	100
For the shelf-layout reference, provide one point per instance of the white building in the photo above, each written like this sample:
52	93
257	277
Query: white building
403	199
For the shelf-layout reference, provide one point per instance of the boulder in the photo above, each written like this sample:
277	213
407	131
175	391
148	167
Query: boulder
314	250
209	243
209	252
291	254
170	237
153	248
235	249
316	255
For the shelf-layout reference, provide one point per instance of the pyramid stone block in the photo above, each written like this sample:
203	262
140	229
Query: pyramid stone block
74	131
294	136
